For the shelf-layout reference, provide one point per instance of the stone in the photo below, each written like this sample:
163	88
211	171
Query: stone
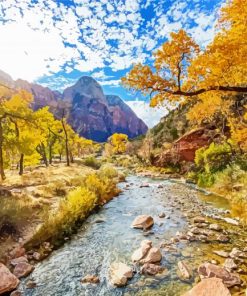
162	215
23	269
31	284
229	264
8	281
144	185
209	270
120	273
215	227
142	251
143	222
154	255
151	269
18	252
223	238
36	256
221	253
199	220
92	279
231	221
236	253
184	270
209	287
21	259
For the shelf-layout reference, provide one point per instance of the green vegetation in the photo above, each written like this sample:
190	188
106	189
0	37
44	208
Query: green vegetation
92	162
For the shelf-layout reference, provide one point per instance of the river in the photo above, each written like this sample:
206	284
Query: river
106	237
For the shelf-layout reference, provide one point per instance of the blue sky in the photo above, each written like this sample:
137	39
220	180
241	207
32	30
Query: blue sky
54	43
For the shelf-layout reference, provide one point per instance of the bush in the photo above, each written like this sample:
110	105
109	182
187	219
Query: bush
214	158
205	179
92	162
108	171
96	189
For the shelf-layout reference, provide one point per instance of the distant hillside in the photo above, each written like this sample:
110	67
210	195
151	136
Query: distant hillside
170	128
91	113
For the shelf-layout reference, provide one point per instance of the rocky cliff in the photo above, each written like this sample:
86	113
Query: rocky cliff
90	112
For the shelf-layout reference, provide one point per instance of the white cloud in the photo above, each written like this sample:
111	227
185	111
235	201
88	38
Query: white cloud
151	116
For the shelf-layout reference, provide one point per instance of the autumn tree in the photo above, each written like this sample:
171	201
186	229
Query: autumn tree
14	111
118	143
182	70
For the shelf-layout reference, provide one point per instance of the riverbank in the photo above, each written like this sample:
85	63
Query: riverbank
107	237
40	210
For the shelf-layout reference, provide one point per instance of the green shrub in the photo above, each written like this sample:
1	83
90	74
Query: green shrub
92	162
214	158
205	179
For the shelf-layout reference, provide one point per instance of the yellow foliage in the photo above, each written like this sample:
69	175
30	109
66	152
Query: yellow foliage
118	143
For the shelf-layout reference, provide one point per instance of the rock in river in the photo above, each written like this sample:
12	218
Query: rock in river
184	270
120	273
153	256
151	269
209	287
143	222
8	281
208	270
92	279
23	269
142	251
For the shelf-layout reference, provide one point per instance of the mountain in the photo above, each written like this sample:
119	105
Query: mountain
90	112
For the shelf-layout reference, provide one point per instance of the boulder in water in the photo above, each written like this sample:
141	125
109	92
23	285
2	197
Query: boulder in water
120	273
154	255
143	222
184	270
140	253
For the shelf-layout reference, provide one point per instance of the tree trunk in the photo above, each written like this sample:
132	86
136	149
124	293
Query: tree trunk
21	167
66	143
1	152
50	154
71	158
44	155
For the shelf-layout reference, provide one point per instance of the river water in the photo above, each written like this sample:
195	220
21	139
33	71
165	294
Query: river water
107	237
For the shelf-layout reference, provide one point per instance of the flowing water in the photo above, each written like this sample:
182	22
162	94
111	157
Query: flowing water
107	237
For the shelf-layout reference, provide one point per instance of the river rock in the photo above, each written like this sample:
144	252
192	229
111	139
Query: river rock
230	264
231	221
120	273
8	281
154	255
215	227
151	269
199	220
223	238
162	215
144	185
142	251
21	259
31	284
92	279
209	287
236	253
36	256
221	253
208	270
23	269
184	270
143	222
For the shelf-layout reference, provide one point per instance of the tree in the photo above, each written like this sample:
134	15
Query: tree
13	111
182	71
118	143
